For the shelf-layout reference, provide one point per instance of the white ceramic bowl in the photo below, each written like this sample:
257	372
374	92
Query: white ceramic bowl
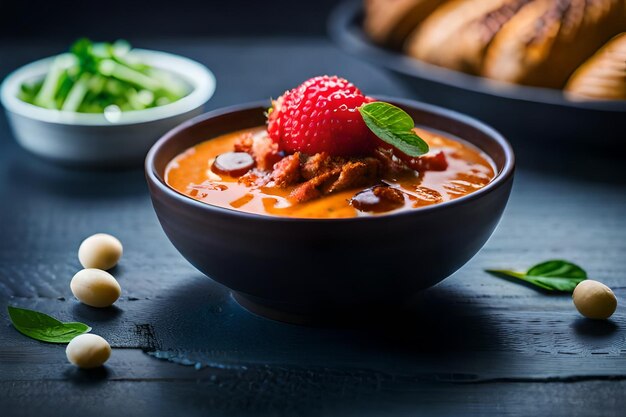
92	139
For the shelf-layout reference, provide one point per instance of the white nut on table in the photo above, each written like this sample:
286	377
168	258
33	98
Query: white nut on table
594	300
88	351
100	251
95	287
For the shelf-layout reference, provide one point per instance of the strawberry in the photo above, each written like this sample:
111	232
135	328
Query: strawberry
321	115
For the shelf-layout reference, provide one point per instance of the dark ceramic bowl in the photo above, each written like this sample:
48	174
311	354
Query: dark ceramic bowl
298	269
523	114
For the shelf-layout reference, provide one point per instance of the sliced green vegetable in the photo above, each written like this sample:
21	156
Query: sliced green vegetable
110	68
65	86
28	91
97	75
45	96
554	275
172	88
77	94
40	326
394	126
96	84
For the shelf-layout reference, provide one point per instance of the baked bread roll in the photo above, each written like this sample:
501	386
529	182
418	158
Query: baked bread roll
603	76
389	22
547	40
458	33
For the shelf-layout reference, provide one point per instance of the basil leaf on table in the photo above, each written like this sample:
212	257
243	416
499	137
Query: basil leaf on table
554	275
40	326
557	268
394	126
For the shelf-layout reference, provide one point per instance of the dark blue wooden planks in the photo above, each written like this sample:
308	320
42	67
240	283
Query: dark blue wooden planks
474	344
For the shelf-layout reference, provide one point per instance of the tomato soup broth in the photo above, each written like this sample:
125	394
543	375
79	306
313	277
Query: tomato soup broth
468	169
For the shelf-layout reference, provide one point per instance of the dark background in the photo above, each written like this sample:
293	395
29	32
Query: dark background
107	20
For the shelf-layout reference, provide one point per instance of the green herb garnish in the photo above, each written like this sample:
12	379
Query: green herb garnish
394	126
42	327
554	275
95	76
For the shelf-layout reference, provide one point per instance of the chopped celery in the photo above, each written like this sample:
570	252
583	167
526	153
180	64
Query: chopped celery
96	84
96	76
108	67
77	94
145	97
45	97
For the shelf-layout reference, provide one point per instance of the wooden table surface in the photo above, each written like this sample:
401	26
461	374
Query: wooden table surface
474	345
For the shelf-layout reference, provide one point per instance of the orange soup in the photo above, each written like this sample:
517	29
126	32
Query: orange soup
346	193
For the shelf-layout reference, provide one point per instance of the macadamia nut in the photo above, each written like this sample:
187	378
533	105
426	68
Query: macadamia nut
88	351
95	287
594	300
100	251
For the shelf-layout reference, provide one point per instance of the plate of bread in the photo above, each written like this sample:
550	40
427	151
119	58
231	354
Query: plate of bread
548	69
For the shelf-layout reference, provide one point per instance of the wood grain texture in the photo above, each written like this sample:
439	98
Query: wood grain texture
473	345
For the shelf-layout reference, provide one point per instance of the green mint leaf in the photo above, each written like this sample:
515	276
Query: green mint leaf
554	275
557	268
556	283
394	126
42	327
514	275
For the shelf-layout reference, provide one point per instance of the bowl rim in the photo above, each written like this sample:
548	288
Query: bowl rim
499	180
198	76
343	29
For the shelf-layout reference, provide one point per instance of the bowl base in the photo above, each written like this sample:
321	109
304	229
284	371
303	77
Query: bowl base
267	309
324	315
